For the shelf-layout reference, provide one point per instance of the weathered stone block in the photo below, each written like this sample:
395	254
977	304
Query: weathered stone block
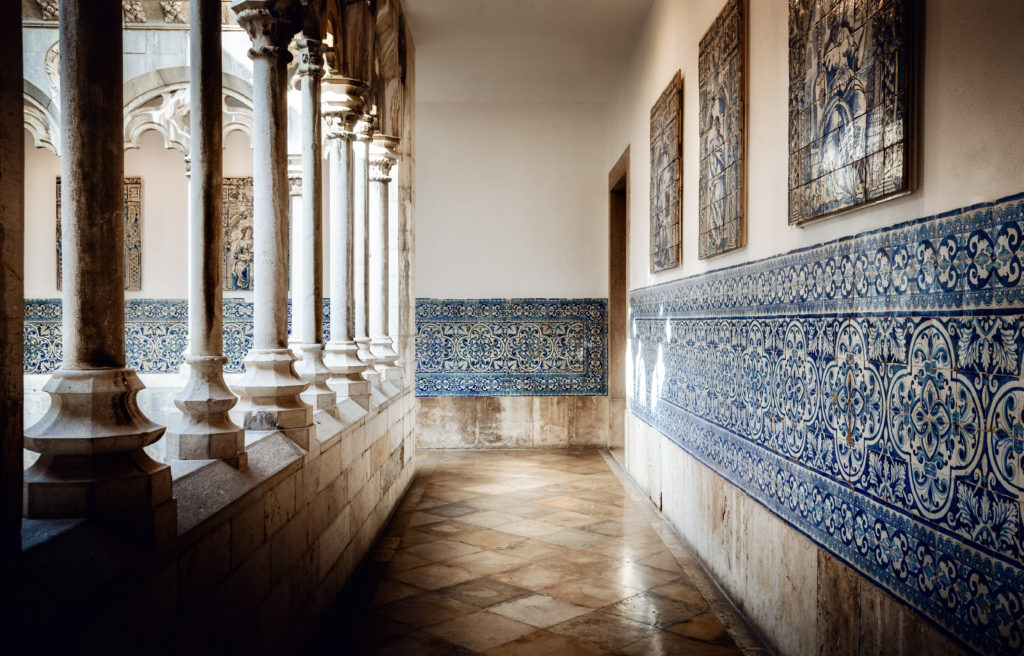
248	530
204	564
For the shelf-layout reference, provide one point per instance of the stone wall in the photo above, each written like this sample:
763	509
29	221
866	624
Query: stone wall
259	557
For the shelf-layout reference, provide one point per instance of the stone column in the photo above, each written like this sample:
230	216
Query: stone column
308	258
205	430
270	387
382	158
360	243
343	104
12	297
91	440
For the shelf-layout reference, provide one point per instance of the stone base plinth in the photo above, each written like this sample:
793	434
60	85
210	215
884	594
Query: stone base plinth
346	373
269	393
311	369
205	430
92	462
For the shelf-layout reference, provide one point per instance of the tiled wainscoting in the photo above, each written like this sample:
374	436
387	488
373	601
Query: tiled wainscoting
156	331
259	556
512	373
866	391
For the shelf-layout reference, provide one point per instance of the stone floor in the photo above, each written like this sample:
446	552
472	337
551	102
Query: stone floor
530	552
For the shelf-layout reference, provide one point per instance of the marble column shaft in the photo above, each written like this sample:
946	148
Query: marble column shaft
270	387
309	261
360	243
91	439
342	107
382	159
12	296
205	429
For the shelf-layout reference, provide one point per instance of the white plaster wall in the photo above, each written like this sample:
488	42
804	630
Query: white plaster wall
164	214
511	201
972	112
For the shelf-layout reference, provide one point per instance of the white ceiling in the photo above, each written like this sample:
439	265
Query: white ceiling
500	51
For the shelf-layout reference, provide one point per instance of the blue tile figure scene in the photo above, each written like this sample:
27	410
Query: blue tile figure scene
132	234
666	176
869	392
237	210
850	104
722	105
511	347
156	331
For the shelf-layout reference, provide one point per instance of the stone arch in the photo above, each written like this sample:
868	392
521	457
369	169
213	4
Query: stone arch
42	118
159	101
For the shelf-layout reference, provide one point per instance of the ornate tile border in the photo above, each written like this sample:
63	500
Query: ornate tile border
156	332
869	392
511	347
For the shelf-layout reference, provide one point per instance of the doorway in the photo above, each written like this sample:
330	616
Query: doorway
618	309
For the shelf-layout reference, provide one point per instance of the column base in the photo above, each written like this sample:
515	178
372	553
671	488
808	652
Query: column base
269	393
205	430
367	358
346	373
92	462
382	348
311	369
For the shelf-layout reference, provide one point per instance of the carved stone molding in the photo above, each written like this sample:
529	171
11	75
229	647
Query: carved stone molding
166	110
51	68
311	62
174	12
49	9
133	11
342	102
270	31
45	130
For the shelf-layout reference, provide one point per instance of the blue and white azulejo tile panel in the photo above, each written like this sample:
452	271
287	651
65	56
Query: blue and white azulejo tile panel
869	392
511	347
156	332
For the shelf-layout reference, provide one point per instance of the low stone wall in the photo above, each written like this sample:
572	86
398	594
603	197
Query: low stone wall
259	557
512	422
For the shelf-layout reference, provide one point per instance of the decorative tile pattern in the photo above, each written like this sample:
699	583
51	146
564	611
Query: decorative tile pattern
156	334
237	209
132	235
511	347
722	105
666	176
849	104
869	392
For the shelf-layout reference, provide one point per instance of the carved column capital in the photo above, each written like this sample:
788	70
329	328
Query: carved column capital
49	9
270	29
342	101
311	61
383	155
366	126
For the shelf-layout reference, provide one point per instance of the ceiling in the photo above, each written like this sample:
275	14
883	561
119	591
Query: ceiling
502	51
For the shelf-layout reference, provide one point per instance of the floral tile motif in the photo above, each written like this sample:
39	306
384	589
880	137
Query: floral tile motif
666	175
850	104
156	332
237	211
511	347
132	235
870	392
722	216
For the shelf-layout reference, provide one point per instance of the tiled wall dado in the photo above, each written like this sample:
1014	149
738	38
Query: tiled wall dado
869	392
156	332
511	347
512	373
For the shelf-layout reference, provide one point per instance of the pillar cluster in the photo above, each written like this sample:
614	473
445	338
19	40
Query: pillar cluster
91	441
